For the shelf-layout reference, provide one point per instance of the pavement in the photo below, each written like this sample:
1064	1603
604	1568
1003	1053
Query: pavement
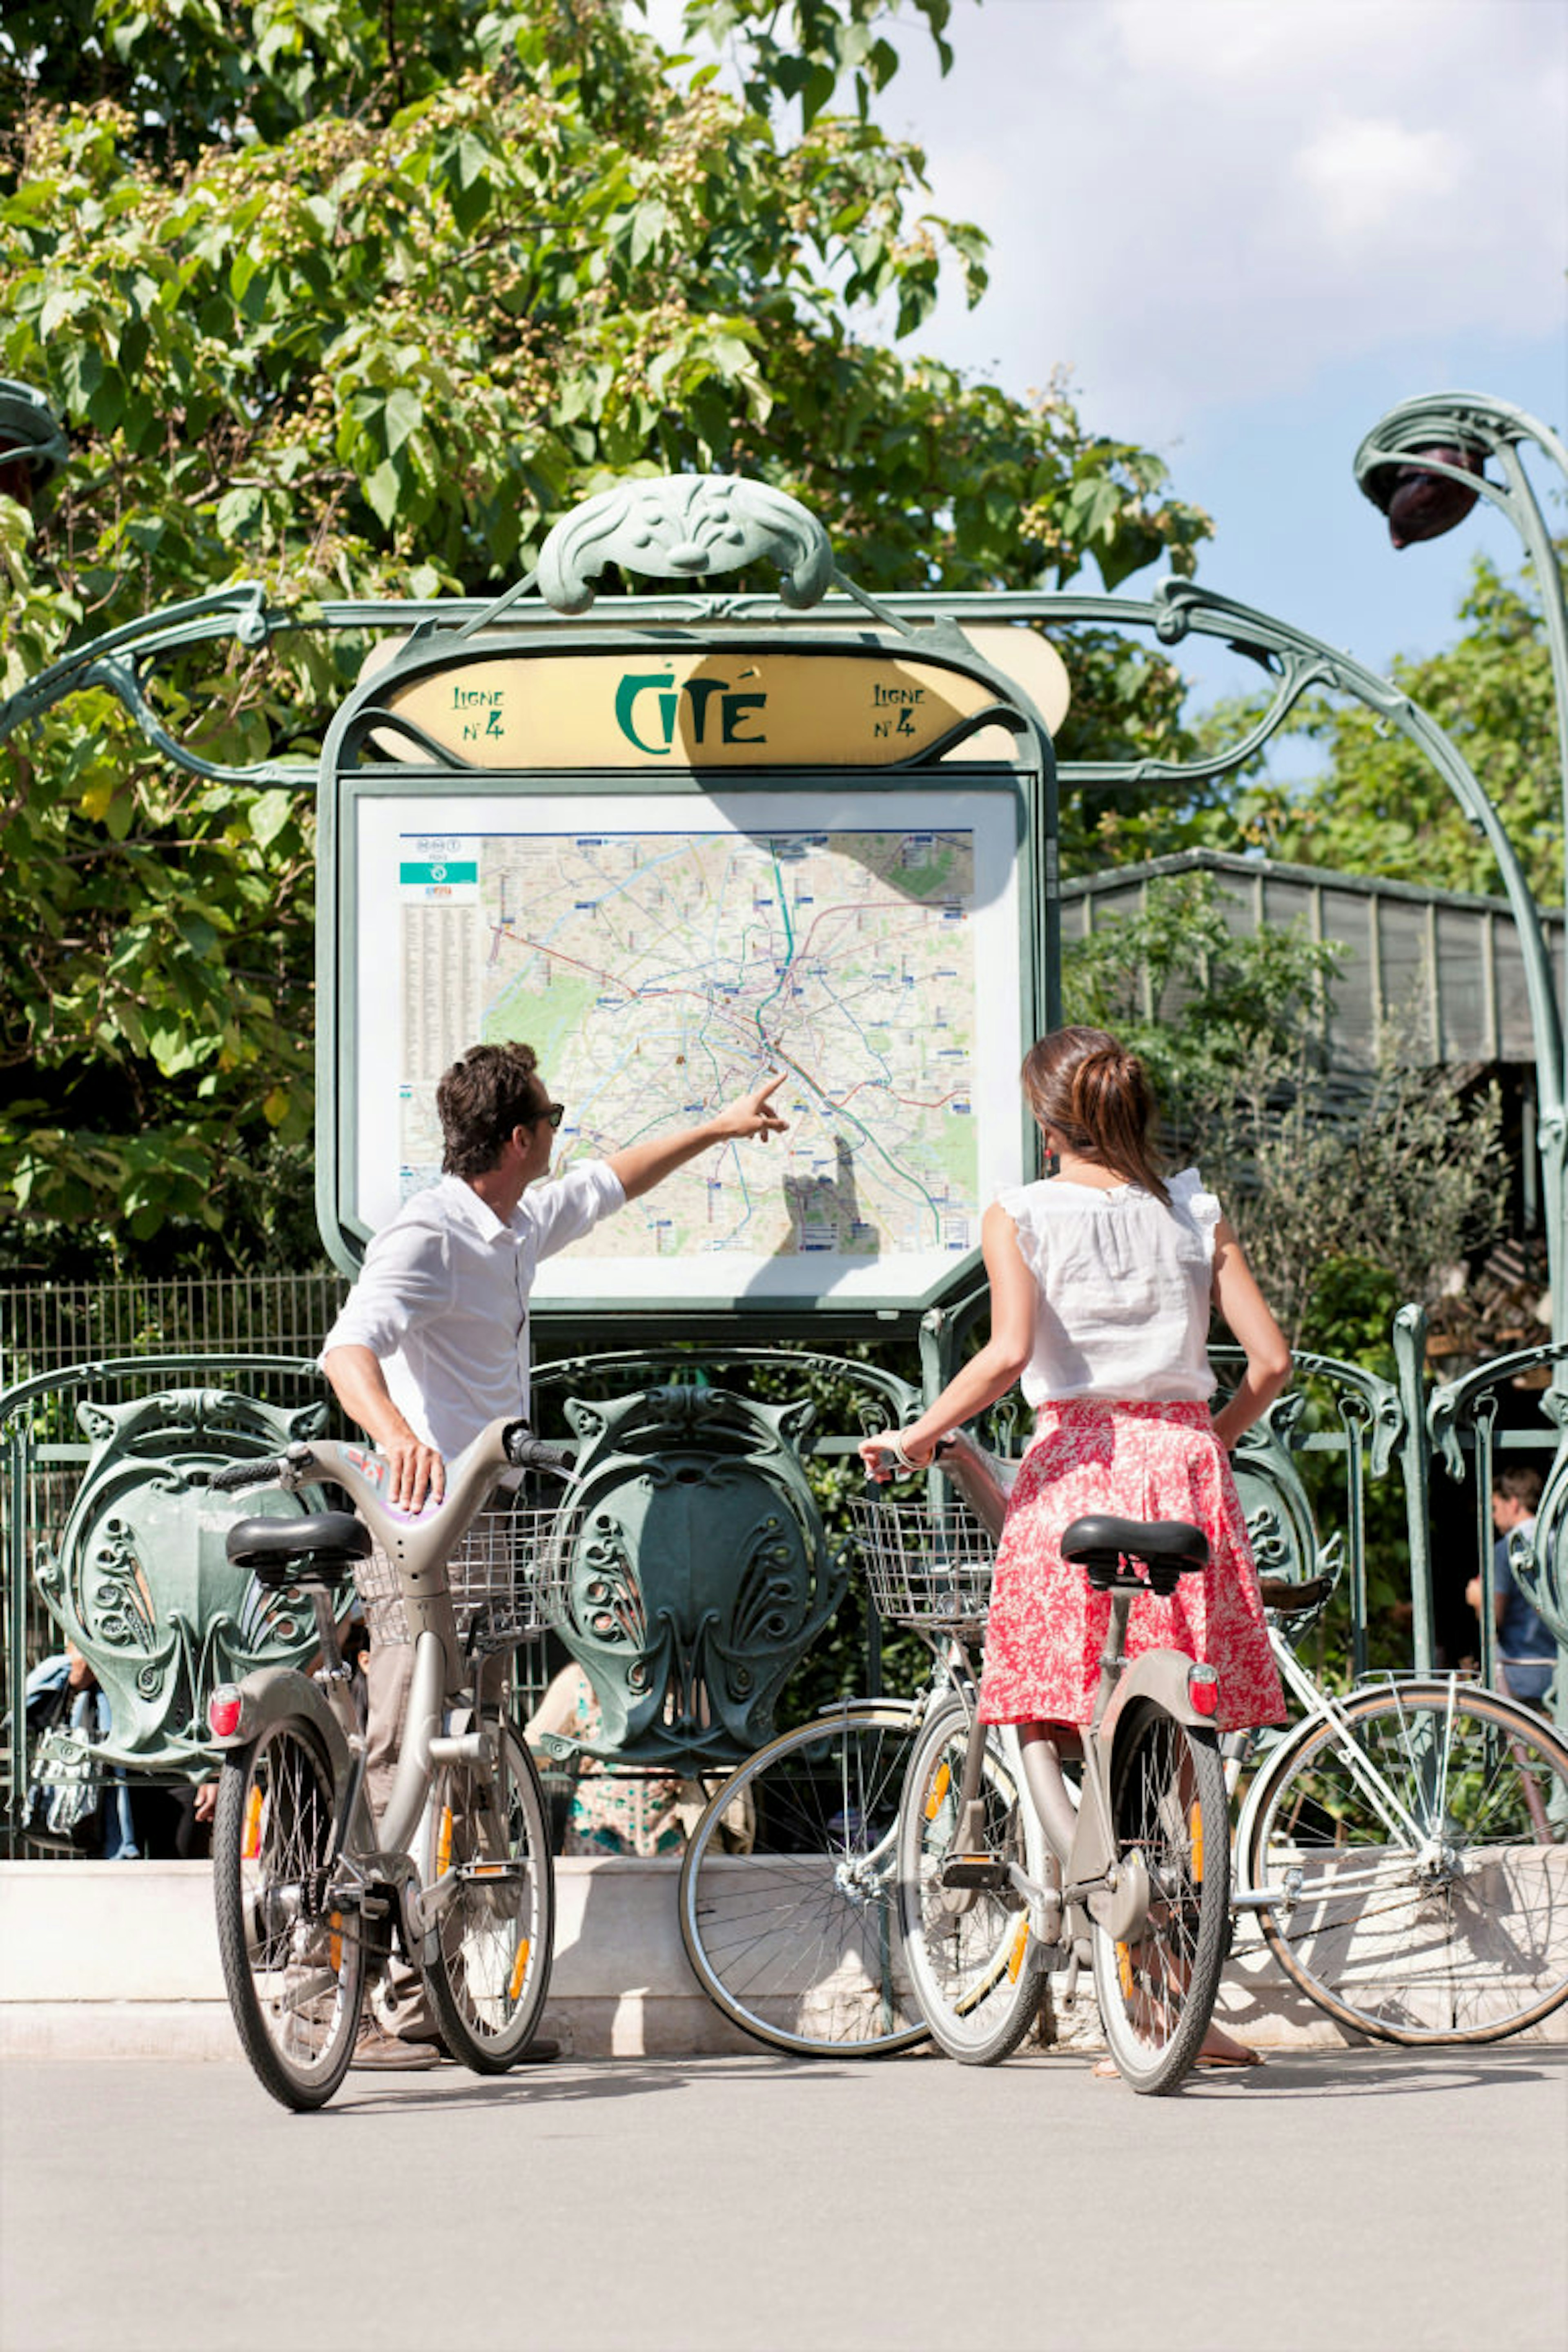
1331	2199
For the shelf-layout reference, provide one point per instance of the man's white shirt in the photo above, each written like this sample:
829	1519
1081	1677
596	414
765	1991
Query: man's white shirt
443	1298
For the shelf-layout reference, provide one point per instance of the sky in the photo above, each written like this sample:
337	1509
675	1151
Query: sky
1247	228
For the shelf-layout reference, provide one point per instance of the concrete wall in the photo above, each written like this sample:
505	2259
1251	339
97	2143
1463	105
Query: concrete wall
119	1959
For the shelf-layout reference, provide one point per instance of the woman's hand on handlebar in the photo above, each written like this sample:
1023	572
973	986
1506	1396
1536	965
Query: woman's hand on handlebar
891	1452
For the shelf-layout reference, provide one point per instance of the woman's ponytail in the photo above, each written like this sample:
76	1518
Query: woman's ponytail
1096	1096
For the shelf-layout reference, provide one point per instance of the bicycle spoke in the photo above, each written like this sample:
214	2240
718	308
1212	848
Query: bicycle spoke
1459	1932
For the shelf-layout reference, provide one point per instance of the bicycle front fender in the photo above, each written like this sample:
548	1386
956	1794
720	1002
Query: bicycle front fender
271	1695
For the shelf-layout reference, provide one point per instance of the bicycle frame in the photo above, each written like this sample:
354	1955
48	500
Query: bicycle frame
1097	1885
1322	1706
441	1685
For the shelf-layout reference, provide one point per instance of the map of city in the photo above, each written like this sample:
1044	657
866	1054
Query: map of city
664	953
659	974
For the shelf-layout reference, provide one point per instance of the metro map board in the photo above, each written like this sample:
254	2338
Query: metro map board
660	960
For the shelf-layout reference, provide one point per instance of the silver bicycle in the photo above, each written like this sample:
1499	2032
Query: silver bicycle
1402	1847
1010	1869
878	1874
311	1891
1405	1848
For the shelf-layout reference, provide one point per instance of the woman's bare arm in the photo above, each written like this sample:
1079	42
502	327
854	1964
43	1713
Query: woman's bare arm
1247	1316
993	1371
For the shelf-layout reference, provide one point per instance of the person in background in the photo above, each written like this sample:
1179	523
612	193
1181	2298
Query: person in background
1526	1650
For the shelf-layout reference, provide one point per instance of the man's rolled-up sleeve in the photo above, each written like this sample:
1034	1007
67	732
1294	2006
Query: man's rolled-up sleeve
568	1206
406	1278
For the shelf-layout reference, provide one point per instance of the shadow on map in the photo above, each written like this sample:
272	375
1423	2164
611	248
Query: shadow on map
824	1212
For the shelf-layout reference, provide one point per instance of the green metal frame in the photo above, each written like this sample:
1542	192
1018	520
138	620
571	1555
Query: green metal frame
1377	1424
1495	431
1296	661
126	1435
759	523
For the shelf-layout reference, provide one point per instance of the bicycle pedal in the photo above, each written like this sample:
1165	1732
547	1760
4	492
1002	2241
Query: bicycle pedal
982	1870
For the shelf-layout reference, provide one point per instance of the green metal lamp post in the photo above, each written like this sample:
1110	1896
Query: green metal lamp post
1424	465
33	445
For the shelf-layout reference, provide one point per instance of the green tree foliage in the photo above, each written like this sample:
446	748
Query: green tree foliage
1380	807
356	299
1352	1190
1377	805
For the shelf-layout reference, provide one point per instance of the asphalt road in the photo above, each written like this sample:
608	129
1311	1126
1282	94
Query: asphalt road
1334	2199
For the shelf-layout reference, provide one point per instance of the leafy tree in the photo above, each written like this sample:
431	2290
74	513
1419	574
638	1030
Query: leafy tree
356	299
1353	1191
1377	805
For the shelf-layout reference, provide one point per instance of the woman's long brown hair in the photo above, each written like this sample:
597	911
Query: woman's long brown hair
1096	1096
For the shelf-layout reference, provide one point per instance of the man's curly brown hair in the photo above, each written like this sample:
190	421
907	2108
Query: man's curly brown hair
481	1098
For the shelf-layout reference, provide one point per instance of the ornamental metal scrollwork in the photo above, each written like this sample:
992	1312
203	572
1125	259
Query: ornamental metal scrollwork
686	527
141	1582
701	1576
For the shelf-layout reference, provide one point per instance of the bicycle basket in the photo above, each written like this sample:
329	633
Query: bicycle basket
927	1562
516	1552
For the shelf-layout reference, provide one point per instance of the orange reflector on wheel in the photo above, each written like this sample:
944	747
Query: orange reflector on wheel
1124	1970
250	1845
939	1789
1016	1957
1196	1840
519	1968
444	1842
335	1942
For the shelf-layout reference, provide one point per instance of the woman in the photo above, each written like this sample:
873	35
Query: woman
1102	1279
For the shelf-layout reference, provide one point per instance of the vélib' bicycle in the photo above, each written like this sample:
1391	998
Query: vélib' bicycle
311	1889
1004	1875
897	1863
1403	1846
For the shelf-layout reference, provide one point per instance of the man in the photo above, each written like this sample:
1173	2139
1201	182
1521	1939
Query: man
432	1344
1527	1653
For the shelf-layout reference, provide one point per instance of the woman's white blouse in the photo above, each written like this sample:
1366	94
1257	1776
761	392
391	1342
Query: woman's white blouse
1123	1289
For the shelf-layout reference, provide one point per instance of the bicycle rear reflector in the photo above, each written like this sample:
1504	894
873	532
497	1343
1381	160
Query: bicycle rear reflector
1202	1689
224	1710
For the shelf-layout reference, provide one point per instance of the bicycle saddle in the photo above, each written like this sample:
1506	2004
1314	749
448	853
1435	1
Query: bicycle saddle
322	1544
1168	1548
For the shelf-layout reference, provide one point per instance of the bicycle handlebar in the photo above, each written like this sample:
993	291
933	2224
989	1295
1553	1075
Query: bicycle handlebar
526	1451
258	1473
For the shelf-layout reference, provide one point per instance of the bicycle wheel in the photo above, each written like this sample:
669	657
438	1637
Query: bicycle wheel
788	1890
1427	1842
1156	1988
293	1960
975	1968
489	1872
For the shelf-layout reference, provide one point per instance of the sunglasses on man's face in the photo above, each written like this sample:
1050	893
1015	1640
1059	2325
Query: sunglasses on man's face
553	1112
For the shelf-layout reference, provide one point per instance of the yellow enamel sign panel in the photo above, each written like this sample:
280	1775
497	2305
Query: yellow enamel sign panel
694	711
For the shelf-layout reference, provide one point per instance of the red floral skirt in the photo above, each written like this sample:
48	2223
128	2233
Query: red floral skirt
1046	1626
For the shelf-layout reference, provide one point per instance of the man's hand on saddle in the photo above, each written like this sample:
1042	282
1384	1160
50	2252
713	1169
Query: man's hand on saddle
751	1114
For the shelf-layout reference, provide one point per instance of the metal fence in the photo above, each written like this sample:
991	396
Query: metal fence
1386	1481
46	1326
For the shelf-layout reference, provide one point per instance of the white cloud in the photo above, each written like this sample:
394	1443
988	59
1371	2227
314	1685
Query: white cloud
1197	201
1368	172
